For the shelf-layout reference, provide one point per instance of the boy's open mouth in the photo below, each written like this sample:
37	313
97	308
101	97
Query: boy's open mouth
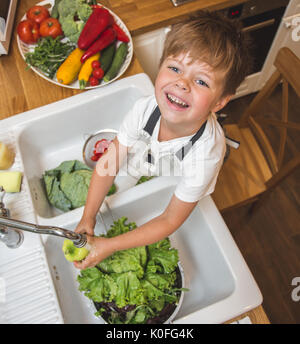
176	101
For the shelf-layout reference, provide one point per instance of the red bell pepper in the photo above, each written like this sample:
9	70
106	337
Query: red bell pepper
121	35
106	38
96	6
98	21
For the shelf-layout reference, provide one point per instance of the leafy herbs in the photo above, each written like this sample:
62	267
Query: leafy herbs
49	54
135	285
144	179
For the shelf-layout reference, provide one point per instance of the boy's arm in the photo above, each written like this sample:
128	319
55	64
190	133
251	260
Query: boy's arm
154	230
102	179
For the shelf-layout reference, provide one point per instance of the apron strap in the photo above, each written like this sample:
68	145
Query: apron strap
181	153
153	119
149	128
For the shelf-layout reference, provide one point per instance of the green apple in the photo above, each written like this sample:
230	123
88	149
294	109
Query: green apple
73	253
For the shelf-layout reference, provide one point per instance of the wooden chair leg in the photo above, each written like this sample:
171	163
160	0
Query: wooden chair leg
254	207
260	201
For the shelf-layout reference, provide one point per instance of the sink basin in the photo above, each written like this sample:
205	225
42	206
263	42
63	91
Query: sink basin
59	131
219	281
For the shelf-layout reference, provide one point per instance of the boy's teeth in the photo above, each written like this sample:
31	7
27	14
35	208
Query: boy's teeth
174	99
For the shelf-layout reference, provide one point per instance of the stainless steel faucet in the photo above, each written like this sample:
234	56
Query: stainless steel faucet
13	238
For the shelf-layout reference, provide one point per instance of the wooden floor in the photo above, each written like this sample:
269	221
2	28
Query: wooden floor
270	238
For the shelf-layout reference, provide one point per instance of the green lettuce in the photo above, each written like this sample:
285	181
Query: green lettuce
142	277
97	286
120	227
123	261
55	196
67	185
129	289
75	186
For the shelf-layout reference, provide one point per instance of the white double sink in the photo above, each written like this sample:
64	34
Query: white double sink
219	281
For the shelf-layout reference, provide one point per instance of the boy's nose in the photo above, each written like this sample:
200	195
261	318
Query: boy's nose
183	84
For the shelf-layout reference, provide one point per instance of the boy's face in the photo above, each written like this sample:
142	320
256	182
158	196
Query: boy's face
187	92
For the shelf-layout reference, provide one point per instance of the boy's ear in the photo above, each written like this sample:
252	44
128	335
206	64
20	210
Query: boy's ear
222	102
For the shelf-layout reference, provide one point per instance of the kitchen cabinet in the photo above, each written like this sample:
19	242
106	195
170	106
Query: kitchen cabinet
7	14
288	35
148	48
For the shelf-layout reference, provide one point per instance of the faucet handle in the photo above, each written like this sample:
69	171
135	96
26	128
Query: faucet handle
12	238
3	211
2	193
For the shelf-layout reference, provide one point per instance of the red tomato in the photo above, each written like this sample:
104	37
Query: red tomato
101	146
28	31
96	157
93	81
38	14
96	64
50	27
98	73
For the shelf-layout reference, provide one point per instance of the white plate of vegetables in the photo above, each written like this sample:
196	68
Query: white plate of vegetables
86	56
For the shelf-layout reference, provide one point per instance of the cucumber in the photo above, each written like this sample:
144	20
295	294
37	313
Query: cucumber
117	62
107	56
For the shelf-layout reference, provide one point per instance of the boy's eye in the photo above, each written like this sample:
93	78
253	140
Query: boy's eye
202	83
175	69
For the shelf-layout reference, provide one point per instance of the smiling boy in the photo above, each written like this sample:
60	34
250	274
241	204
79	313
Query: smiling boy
175	131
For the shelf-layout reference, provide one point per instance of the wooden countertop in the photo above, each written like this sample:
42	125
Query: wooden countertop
23	90
256	315
144	15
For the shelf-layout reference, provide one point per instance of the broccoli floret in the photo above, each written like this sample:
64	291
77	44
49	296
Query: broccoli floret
69	25
84	11
80	26
72	30
66	8
69	13
74	37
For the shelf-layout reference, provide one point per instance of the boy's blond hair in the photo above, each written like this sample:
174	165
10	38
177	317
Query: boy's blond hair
215	40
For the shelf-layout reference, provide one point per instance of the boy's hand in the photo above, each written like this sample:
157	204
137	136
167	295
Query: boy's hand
86	226
100	248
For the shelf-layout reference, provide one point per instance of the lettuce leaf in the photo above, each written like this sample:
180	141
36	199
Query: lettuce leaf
54	193
161	281
75	186
129	290
67	185
123	261
96	285
143	276
162	261
162	258
153	293
120	227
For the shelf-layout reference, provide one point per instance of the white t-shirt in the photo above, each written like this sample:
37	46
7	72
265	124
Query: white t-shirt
198	170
